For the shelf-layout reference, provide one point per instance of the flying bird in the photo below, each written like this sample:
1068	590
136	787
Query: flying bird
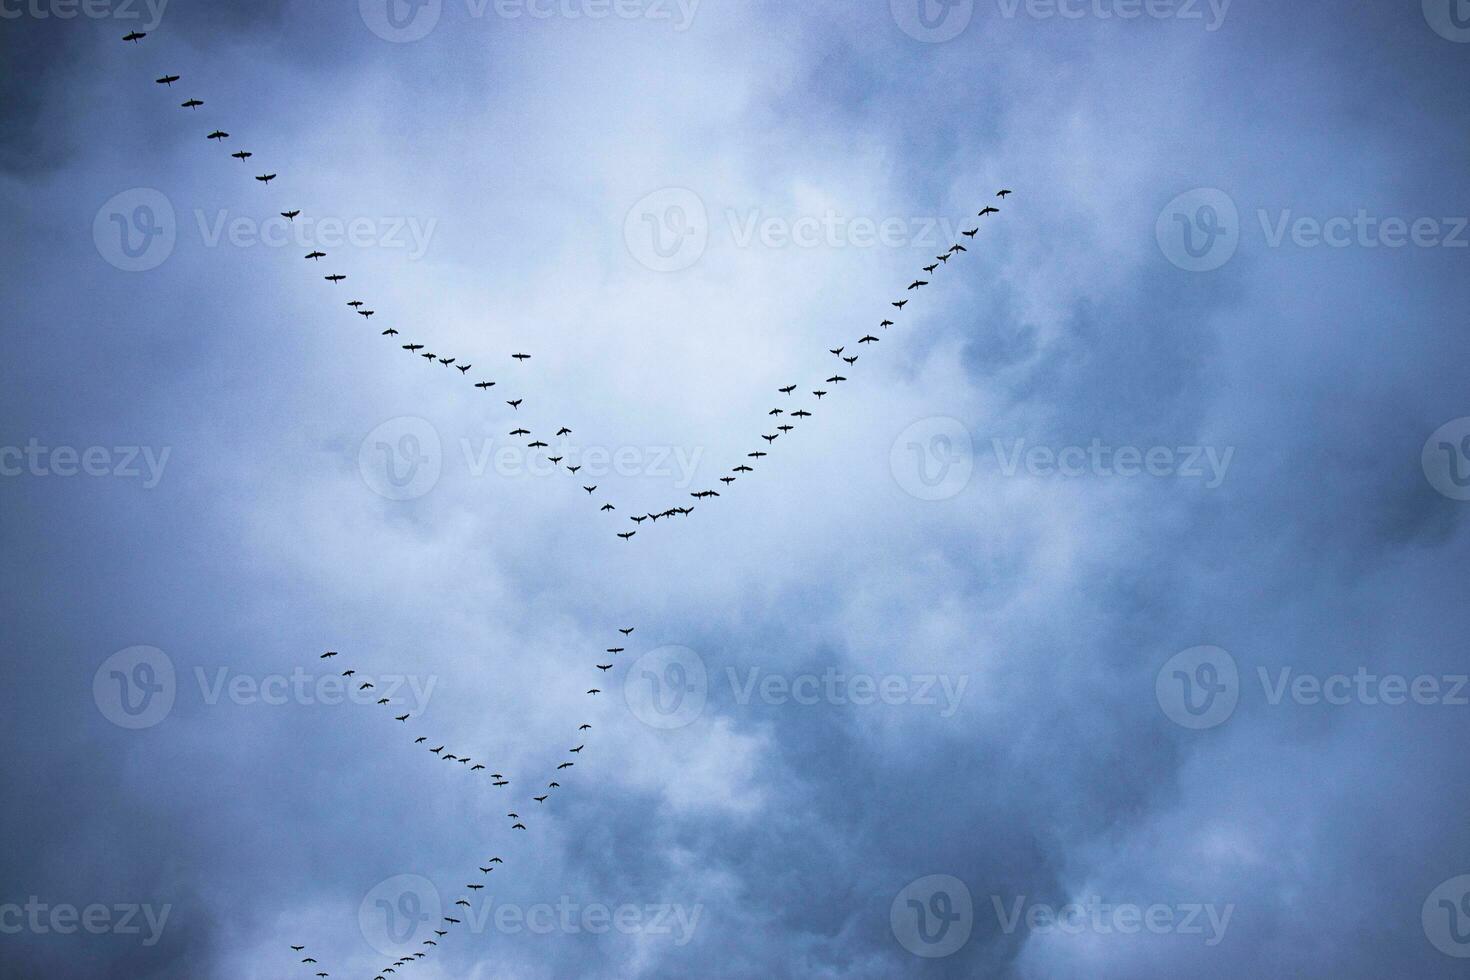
1004	193
971	233
290	215
134	36
521	357
989	211
901	304
242	155
516	404
322	255
266	178
218	134
167	80
626	535
335	277
191	104
868	339
917	283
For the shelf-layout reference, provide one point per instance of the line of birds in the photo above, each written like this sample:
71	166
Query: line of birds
443	929
786	419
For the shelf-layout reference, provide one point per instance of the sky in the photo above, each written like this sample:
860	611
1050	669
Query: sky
1108	621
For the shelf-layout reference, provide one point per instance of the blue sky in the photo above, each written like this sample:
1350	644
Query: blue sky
1108	622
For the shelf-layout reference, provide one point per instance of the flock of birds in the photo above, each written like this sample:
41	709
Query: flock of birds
783	420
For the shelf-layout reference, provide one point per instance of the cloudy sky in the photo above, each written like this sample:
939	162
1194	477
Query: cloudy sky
1109	621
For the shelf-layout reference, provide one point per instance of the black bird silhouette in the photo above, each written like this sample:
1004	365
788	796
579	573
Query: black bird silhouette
485	385
242	155
368	686
401	718
167	80
1004	193
917	283
438	750
957	248
553	785
589	489
573	469
971	233
366	314
337	277
413	347
837	352
520	431
727	480
556	460
626	535
819	394
607	507
191	104
521	357
771	438
134	36
742	468
290	215
756	455
566	765
803	414
538	444
218	134
266	178
563	431
578	748
901	304
604	667
787	390
639	520
517	826
420	739
592	691
943	258
516	404
328	655
628	631
583	728
868	339
540	799
836	379
788	428
851	360
298	948
320	255
390	332
382	700
986	211
931	268
886	324
355	303
446	361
